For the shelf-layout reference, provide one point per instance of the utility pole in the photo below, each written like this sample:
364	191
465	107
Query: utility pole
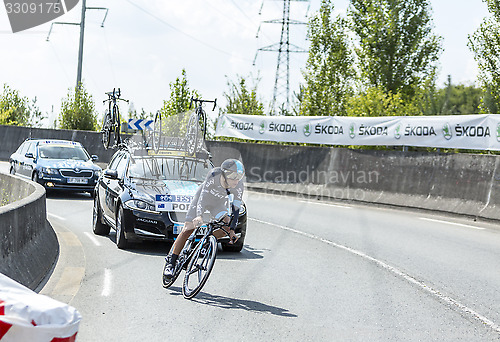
82	32
80	49
281	92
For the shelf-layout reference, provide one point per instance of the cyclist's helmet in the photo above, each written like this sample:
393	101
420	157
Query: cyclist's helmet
232	169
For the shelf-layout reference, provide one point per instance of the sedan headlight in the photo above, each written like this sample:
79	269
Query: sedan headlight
140	205
97	173
50	171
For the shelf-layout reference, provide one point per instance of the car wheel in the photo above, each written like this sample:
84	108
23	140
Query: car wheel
237	247
34	177
121	241
98	227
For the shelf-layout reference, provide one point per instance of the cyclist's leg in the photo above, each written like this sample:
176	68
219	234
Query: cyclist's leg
182	238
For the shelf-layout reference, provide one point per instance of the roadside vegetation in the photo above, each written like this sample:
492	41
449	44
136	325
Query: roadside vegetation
380	59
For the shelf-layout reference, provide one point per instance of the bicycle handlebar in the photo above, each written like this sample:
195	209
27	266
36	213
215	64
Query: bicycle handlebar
201	102
114	95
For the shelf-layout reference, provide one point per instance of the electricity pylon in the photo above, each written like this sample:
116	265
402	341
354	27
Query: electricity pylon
281	92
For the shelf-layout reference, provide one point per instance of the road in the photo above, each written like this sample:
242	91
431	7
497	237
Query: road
310	271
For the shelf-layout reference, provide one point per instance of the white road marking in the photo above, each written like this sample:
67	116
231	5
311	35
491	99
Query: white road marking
452	223
57	217
425	287
92	238
328	204
106	289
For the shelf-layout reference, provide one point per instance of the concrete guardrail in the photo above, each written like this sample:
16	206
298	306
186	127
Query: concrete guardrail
28	244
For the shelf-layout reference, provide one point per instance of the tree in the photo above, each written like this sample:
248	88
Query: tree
78	110
174	116
16	109
485	43
375	101
180	96
329	72
397	50
242	100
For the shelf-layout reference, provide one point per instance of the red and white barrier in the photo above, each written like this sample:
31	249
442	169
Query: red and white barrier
28	316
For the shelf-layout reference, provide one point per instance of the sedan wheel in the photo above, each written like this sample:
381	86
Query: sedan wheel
121	241
97	226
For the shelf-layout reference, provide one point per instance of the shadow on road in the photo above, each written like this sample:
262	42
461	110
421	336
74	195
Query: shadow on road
162	248
68	195
234	303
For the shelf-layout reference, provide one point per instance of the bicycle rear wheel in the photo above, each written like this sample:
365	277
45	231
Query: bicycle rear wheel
199	267
116	123
156	136
191	139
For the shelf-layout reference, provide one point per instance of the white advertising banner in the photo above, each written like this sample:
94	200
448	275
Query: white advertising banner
478	132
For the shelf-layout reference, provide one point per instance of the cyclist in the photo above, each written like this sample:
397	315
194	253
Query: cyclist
211	195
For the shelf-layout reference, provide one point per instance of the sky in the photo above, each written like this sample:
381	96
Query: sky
145	44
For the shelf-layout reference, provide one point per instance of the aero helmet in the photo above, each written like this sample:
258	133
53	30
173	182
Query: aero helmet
232	169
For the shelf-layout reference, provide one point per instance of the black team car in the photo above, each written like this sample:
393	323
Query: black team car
145	196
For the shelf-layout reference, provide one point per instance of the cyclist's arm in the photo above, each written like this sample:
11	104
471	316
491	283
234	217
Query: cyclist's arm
234	219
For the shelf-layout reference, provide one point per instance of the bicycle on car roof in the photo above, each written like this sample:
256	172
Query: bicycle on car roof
111	121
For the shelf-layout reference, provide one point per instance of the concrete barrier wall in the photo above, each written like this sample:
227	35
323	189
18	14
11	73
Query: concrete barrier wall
456	183
28	245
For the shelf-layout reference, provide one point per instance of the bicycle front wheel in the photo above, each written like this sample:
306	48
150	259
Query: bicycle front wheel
199	267
106	131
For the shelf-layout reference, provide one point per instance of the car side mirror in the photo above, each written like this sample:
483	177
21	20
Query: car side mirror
111	174
94	157
29	155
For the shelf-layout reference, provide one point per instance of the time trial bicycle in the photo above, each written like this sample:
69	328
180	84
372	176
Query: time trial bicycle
197	257
111	121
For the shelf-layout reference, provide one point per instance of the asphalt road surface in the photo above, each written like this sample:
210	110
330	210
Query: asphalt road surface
309	271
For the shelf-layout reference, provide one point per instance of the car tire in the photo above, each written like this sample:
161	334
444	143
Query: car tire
121	240
34	177
98	227
237	247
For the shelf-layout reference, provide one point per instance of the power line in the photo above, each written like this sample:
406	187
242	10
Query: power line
182	32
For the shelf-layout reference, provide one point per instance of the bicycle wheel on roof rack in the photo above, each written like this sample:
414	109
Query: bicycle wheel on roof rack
156	135
117	124
192	132
106	130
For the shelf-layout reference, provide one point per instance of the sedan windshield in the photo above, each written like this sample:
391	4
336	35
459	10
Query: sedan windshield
62	152
168	169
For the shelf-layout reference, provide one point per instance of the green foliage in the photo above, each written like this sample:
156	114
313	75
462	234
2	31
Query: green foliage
242	100
377	102
329	73
485	43
175	110
396	47
17	110
180	96
78	110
